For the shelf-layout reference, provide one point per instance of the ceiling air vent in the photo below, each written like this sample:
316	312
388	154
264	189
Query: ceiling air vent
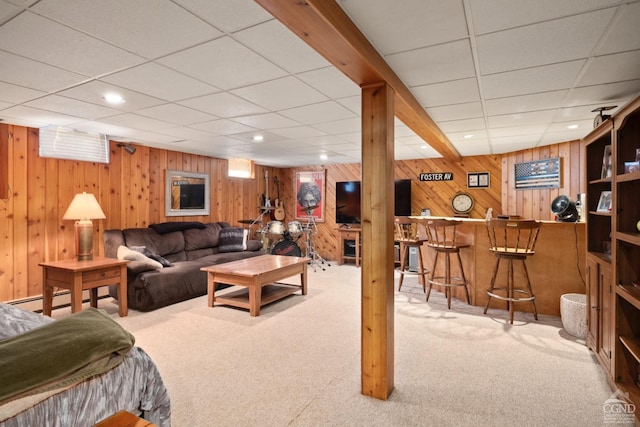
64	143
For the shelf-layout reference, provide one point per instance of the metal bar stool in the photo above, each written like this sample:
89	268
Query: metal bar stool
512	240
407	234
441	235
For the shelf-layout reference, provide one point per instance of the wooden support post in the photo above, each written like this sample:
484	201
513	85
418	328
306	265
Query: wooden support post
377	240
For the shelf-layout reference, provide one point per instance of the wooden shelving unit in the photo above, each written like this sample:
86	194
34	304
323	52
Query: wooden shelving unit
614	279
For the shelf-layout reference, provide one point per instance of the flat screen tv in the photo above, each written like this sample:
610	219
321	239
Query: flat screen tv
348	200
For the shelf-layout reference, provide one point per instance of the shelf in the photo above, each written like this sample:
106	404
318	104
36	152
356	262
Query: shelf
599	213
633	345
629	293
600	181
601	256
626	177
633	238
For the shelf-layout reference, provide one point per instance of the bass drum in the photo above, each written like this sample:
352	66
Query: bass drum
286	247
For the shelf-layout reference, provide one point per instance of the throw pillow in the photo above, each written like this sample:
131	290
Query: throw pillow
233	239
150	254
131	255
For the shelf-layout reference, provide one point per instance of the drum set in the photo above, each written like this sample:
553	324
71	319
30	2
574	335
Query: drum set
280	239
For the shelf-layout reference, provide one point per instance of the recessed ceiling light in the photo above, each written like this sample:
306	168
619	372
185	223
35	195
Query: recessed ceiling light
469	135
258	138
323	157
572	127
113	98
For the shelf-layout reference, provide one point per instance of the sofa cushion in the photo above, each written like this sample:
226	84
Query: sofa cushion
233	239
131	255
163	245
169	227
207	237
150	254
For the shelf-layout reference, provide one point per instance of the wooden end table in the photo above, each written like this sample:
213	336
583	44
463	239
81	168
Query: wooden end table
124	419
259	275
78	276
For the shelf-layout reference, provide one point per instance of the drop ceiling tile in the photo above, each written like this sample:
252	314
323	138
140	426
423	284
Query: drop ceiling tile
467	137
494	15
7	10
524	103
266	121
223	104
17	94
447	93
463	125
223	127
332	82
582	112
353	103
318	113
94	92
38	116
456	112
603	94
624	32
223	63
298	132
137	26
475	148
422	22
229	16
546	78
69	106
137	121
340	126
519	140
280	94
448	61
35	37
4	105
187	133
537	44
25	72
276	42
160	82
616	67
176	114
517	119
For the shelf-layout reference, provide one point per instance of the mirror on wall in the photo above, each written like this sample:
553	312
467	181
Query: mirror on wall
187	193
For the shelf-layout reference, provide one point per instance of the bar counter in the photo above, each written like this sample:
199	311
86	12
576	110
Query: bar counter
556	268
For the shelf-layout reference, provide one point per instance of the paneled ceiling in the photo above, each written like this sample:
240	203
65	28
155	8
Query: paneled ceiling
206	76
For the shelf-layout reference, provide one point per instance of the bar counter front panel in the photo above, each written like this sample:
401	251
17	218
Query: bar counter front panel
557	267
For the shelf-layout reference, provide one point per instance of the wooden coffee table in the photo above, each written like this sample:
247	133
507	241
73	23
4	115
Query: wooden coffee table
259	276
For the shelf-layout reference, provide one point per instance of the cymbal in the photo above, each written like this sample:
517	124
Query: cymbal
310	208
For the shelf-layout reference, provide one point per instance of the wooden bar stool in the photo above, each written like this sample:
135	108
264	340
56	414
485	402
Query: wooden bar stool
441	235
512	240
407	234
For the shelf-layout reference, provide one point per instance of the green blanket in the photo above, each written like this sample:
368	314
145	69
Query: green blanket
61	353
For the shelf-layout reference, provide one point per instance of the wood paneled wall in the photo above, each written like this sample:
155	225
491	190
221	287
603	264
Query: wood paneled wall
130	190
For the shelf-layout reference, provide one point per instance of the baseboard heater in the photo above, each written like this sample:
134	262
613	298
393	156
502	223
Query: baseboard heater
61	299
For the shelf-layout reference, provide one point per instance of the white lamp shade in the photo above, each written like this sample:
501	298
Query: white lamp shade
84	206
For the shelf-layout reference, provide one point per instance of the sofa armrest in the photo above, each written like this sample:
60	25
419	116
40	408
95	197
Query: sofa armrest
136	267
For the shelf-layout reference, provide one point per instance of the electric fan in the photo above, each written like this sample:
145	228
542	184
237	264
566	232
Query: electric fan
564	209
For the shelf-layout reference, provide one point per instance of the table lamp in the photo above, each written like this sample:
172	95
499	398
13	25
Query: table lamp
84	208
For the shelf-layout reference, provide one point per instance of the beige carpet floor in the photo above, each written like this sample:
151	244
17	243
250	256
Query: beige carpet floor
298	363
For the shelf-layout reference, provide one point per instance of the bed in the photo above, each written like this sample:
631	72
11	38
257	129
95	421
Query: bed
134	384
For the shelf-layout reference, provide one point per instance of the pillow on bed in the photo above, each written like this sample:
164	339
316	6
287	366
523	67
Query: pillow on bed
150	254
131	255
233	239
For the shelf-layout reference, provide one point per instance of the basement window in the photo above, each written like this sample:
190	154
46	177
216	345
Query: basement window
241	168
70	144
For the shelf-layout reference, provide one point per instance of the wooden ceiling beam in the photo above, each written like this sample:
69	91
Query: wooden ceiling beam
324	26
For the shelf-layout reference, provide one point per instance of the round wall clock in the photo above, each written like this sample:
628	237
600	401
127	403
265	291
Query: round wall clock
462	202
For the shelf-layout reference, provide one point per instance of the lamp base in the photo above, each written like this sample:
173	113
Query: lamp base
84	240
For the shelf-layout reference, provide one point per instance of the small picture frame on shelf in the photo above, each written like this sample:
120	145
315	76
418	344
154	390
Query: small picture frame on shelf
604	204
425	212
631	167
606	163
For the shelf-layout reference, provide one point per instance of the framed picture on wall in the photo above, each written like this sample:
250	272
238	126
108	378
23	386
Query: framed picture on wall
478	180
309	194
